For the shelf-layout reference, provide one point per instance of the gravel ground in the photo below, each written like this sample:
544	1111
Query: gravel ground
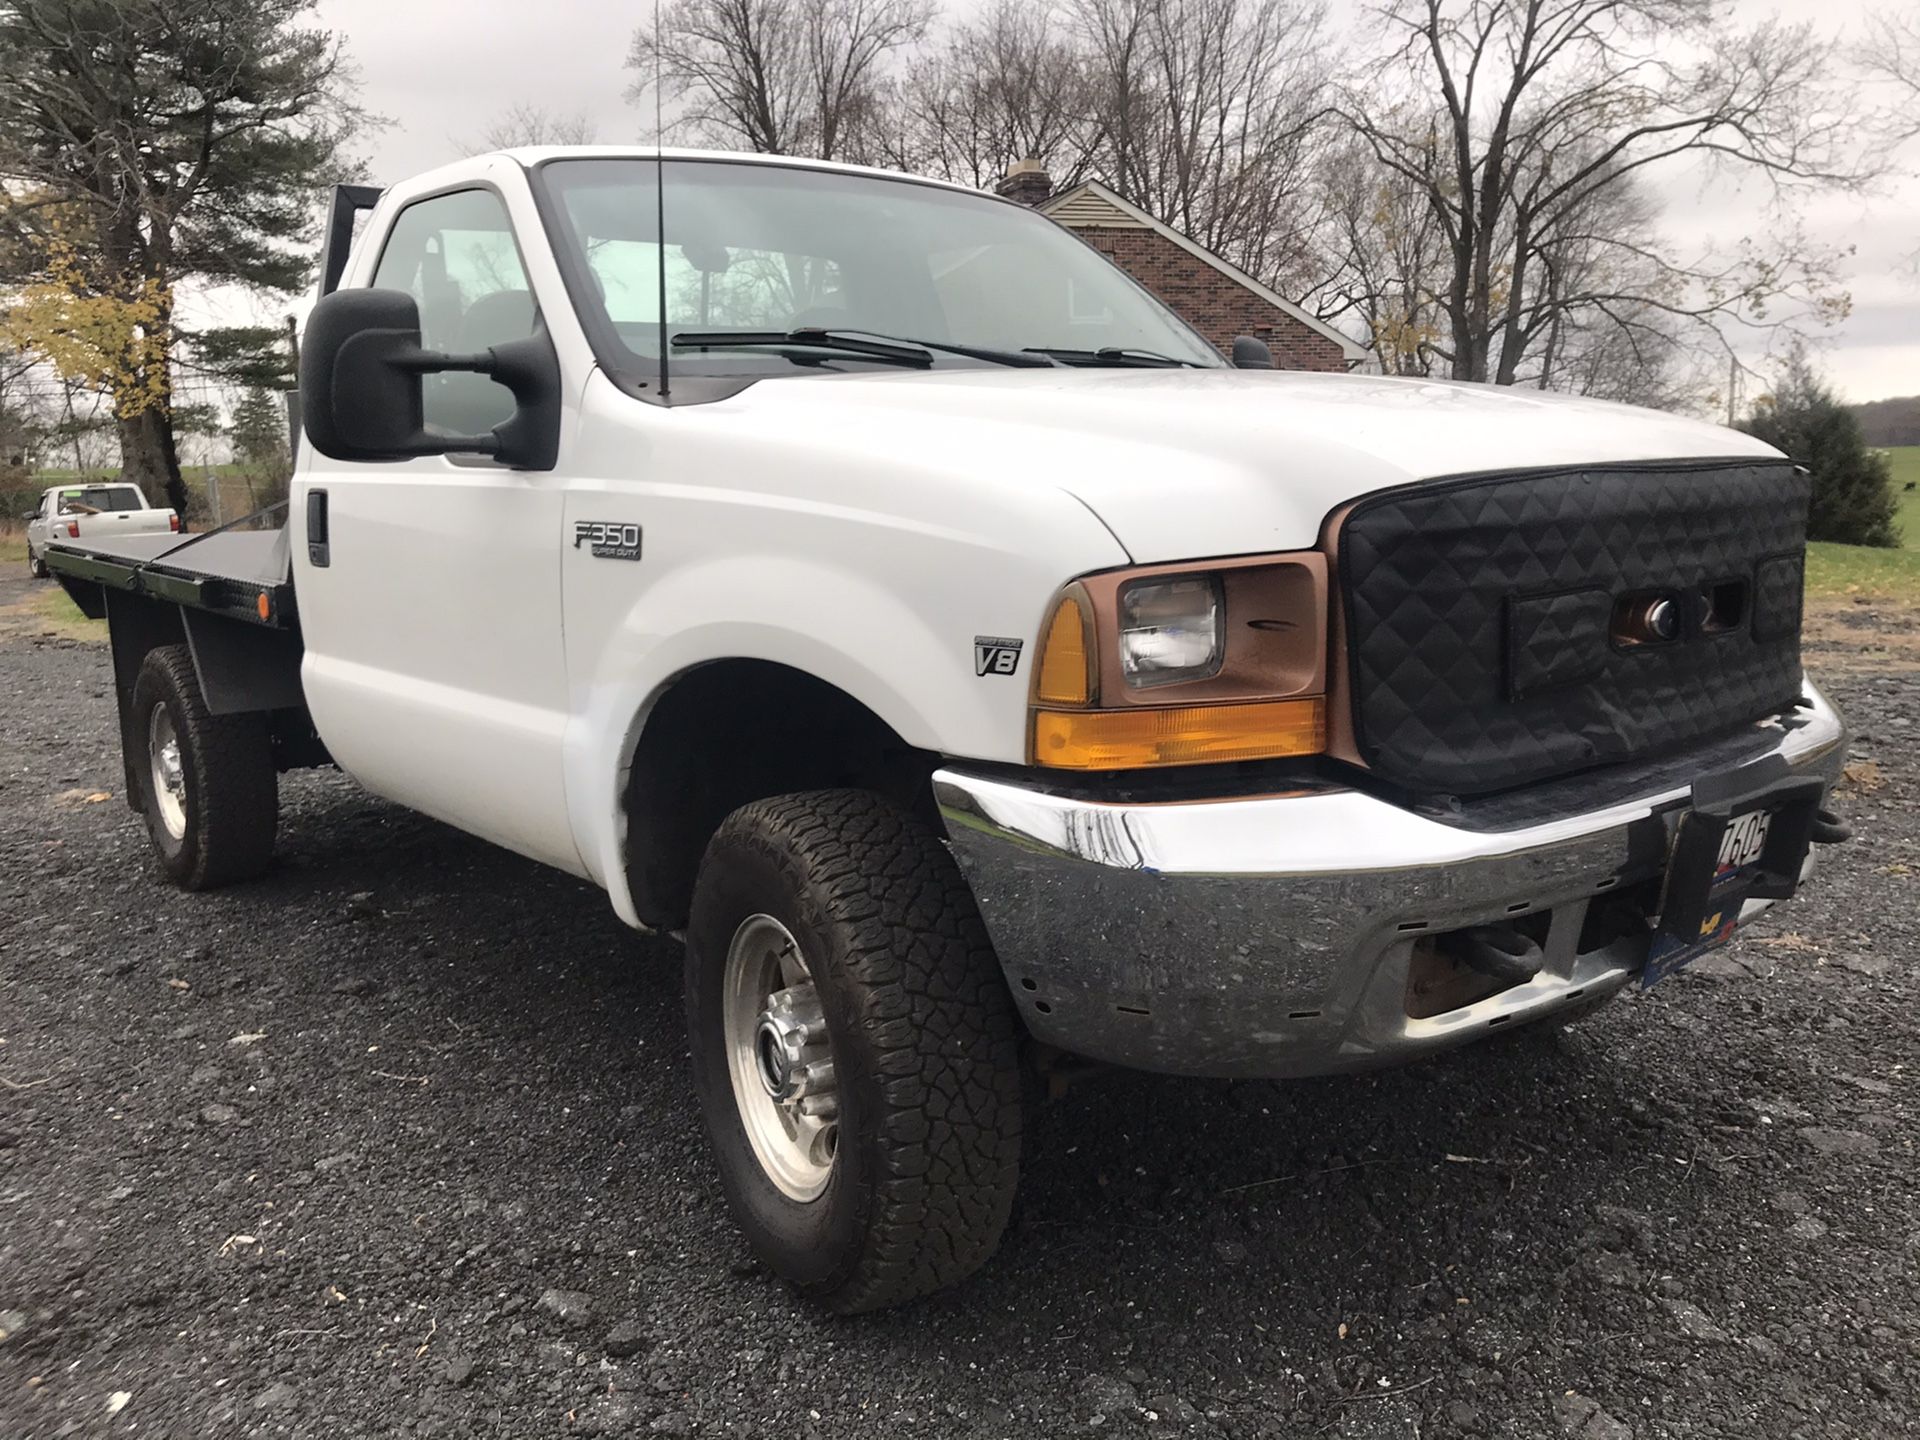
400	1141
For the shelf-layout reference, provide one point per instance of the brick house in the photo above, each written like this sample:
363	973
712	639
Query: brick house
1210	294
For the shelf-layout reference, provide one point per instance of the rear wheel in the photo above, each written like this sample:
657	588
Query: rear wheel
36	567
854	1048
207	782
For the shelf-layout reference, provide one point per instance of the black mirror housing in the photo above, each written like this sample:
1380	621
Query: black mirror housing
529	439
355	404
361	386
1251	353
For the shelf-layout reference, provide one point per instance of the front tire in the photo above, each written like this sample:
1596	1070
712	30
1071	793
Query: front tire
854	1048
208	787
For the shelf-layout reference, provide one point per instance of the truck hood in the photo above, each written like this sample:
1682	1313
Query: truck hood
1184	464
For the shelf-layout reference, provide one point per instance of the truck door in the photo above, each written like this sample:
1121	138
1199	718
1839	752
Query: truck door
434	667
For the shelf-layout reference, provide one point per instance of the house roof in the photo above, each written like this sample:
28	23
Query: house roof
1090	205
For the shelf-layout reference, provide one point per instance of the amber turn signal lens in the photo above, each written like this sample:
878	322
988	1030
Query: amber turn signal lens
1181	735
1066	676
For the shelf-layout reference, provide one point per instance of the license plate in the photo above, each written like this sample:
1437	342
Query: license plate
1745	838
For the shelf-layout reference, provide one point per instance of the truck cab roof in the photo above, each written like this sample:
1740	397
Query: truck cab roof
529	156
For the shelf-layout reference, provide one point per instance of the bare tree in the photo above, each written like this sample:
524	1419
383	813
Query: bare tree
1010	84
1891	51
1545	108
797	77
1379	258
1890	54
529	124
738	64
848	45
1208	115
1607	316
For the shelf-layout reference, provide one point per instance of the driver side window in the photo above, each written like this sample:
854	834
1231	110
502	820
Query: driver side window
456	256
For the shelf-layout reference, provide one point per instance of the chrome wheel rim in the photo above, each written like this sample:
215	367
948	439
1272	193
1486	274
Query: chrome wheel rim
169	779
779	1058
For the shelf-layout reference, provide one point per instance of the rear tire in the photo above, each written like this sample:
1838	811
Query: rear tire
36	567
857	916
208	787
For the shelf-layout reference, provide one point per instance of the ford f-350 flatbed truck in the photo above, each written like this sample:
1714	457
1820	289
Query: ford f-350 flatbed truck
874	586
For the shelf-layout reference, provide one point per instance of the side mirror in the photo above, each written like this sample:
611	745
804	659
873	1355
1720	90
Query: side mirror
361	395
1251	353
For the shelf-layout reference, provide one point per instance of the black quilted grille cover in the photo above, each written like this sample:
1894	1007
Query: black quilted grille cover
1480	610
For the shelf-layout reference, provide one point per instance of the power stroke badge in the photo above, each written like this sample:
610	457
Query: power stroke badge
608	540
995	655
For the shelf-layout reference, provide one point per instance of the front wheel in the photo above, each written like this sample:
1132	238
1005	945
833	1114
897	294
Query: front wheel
854	1048
208	786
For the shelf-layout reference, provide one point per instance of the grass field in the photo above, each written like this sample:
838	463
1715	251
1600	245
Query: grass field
1842	571
46	608
1836	572
1906	471
63	617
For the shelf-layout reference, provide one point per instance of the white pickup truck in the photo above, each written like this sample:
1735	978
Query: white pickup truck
877	589
96	510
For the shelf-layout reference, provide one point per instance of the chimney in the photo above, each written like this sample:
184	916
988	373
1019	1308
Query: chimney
1027	183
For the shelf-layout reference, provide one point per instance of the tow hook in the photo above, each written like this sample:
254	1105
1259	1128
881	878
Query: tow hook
1498	951
1830	829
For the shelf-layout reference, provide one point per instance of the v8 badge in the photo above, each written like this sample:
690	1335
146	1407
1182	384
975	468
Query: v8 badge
996	655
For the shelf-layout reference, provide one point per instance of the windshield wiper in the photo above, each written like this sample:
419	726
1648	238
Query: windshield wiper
805	339
1023	358
1113	355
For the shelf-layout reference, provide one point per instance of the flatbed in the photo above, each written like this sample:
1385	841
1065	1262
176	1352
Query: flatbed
242	574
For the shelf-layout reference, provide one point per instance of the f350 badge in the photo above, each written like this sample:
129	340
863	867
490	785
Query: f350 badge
609	540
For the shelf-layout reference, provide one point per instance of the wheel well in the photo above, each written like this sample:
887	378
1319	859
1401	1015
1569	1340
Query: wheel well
736	731
239	670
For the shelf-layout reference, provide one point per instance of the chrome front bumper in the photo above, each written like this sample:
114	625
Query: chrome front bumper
1272	935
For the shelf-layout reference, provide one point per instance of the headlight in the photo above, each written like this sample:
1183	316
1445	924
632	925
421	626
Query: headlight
1171	630
1164	666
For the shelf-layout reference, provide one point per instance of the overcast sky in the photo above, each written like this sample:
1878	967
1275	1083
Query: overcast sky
440	69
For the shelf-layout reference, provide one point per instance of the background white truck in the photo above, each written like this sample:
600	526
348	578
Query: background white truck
875	586
92	510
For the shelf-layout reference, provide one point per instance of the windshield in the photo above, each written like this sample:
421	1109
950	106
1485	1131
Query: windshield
762	247
89	499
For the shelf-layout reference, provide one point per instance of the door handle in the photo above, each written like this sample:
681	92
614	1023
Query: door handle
318	553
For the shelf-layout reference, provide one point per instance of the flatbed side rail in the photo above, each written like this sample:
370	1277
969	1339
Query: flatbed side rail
269	605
